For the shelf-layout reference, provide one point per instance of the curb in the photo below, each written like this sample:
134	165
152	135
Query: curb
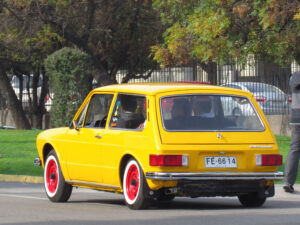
21	178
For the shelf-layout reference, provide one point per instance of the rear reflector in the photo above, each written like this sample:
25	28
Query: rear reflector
268	160
169	160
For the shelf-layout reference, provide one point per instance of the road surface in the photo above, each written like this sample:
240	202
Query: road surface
23	203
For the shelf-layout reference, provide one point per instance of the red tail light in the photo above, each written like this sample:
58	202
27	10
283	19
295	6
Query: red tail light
289	98
169	160
269	160
260	98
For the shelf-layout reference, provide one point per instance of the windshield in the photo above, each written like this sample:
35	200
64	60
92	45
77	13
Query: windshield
209	112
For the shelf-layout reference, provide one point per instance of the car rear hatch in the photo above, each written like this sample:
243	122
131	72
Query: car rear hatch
216	142
182	122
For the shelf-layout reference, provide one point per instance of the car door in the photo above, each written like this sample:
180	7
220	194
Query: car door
85	145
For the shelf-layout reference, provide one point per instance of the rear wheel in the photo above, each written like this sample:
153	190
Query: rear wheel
252	199
135	187
57	189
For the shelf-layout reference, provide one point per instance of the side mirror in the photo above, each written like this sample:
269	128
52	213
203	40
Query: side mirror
73	125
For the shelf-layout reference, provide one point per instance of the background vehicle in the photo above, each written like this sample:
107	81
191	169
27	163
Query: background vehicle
270	98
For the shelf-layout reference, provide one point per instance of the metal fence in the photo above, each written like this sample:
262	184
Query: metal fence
253	71
269	82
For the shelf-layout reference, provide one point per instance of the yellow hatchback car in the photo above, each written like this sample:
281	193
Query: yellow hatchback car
154	142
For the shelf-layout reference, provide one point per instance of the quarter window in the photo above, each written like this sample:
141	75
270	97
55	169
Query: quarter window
81	116
129	112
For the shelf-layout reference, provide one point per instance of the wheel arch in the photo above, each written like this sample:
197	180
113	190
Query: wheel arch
122	166
46	149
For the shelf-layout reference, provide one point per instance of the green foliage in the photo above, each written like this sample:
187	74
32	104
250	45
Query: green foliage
69	74
225	31
18	149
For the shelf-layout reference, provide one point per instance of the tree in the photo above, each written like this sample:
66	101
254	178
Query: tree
24	43
116	34
228	31
70	78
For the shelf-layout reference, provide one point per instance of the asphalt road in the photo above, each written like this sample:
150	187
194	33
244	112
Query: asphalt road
22	203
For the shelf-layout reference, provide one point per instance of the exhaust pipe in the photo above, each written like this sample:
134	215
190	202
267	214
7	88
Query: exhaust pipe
171	191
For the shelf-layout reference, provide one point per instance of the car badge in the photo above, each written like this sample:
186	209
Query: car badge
219	135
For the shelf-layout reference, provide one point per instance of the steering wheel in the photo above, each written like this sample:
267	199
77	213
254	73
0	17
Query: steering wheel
103	121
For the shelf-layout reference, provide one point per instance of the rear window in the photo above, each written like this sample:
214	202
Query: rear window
209	112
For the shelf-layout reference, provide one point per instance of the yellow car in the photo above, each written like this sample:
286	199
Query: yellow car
154	142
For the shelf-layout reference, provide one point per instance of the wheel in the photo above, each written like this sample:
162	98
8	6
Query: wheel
252	199
57	189
135	187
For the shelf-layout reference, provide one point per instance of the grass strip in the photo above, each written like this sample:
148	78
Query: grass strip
18	149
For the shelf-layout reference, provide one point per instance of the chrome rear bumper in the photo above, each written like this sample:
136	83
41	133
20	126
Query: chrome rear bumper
215	176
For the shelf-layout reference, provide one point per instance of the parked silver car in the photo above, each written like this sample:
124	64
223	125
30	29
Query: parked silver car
271	99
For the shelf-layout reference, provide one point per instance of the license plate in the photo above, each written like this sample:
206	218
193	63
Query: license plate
220	162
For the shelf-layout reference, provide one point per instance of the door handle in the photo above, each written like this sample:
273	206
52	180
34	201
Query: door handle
98	136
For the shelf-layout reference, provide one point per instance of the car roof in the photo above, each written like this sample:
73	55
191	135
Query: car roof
156	88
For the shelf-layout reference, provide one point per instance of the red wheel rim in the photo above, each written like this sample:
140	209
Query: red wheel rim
132	182
52	176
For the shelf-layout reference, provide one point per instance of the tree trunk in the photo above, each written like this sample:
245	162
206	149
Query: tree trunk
38	109
212	71
14	104
101	76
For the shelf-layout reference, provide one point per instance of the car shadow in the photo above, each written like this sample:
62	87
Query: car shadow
190	204
197	204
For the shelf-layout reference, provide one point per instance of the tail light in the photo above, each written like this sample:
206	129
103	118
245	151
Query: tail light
260	98
269	160
169	160
289	98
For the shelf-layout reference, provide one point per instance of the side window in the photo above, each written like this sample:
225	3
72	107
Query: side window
129	112
97	111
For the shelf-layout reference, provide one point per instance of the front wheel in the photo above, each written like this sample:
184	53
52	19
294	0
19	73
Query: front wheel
57	189
252	199
135	187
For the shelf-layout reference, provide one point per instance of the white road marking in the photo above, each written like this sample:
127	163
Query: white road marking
22	196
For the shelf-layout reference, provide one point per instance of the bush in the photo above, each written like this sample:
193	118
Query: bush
70	79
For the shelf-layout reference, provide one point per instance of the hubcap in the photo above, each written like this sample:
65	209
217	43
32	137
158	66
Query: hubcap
132	182
52	175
